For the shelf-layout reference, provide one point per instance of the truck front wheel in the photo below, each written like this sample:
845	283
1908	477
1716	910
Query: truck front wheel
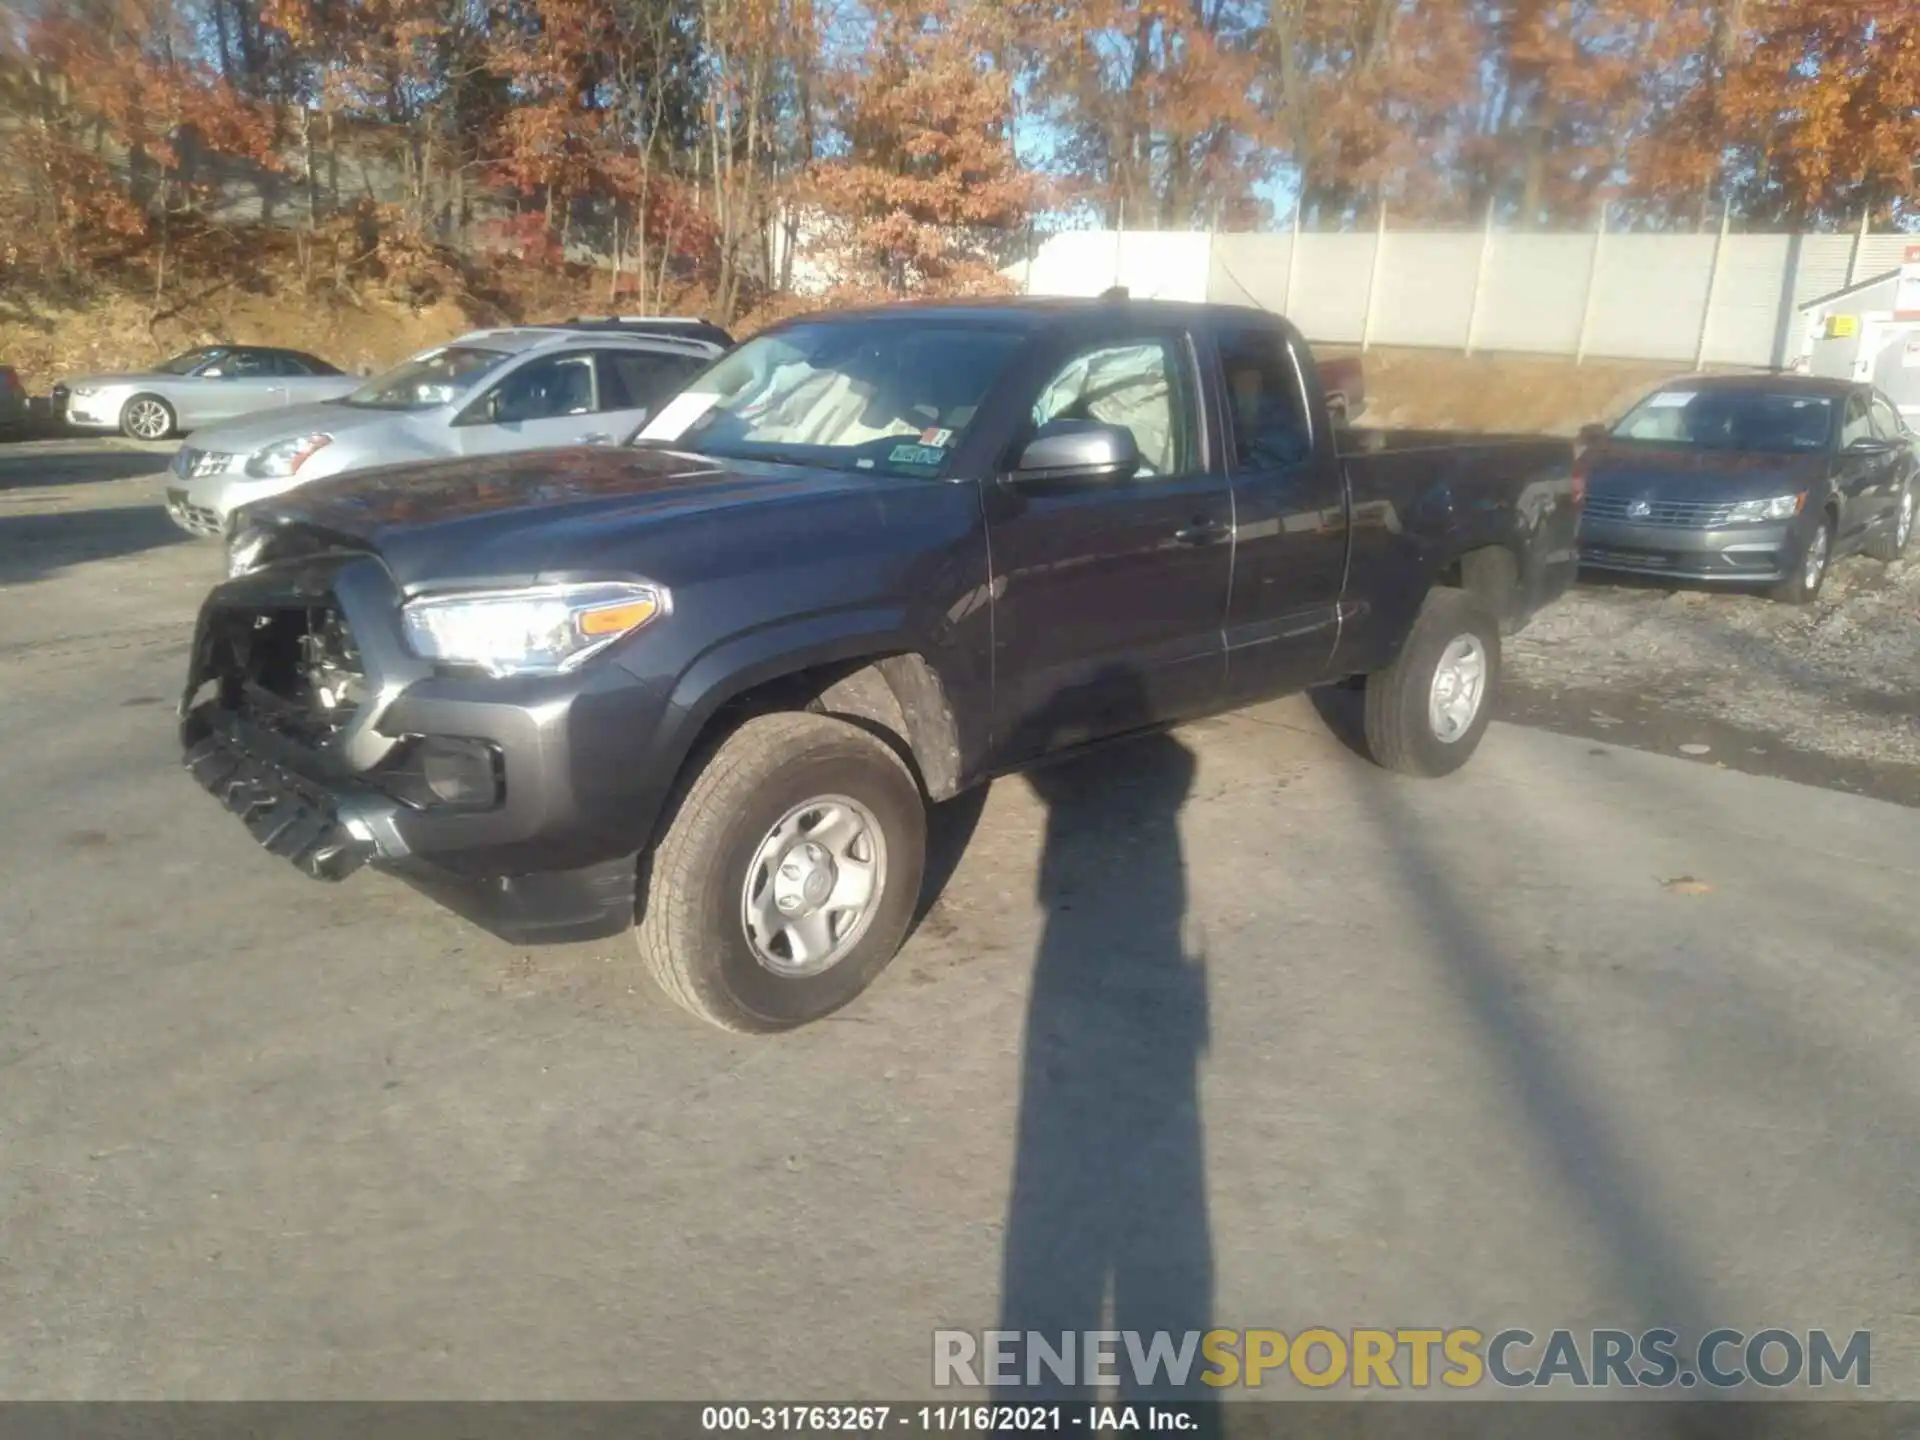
1427	711
788	875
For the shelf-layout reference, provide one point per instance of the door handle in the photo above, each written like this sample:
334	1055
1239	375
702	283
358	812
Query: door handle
597	438
1202	532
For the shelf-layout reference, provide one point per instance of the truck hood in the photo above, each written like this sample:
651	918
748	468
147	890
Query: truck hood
551	513
263	428
1646	472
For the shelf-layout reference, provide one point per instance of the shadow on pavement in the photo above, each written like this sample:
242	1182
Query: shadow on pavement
1107	1224
24	468
32	547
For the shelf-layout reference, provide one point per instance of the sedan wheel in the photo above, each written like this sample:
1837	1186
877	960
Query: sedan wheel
1891	543
147	417
1803	586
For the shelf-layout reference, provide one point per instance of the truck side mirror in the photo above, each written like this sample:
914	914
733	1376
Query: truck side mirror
1592	434
1078	452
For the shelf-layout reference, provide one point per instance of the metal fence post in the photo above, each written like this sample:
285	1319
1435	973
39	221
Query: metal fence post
1713	284
1859	244
1293	254
1119	237
1373	278
1479	280
1593	277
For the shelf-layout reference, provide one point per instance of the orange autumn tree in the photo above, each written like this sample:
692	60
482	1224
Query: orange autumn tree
926	177
112	104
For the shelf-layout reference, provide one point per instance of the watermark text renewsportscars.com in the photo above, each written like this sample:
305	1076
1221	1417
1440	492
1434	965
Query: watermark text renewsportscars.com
1368	1358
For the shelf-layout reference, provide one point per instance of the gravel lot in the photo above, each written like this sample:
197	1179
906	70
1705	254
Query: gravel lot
1228	1018
1828	692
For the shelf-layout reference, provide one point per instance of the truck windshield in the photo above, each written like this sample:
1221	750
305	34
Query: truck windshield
892	397
436	377
1770	422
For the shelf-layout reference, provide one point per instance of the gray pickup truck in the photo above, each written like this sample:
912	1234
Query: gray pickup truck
705	686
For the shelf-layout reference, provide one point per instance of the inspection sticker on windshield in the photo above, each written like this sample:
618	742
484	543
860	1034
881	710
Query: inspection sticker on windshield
940	438
678	416
1671	399
916	455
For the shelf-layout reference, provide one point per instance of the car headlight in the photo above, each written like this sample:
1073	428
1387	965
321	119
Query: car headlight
84	390
285	457
1781	507
541	630
243	550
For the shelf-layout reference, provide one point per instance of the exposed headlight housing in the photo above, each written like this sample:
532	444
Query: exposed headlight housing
285	457
539	630
244	546
83	390
1781	507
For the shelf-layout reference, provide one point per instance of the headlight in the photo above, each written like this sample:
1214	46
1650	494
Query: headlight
1781	507
243	550
537	631
285	457
80	390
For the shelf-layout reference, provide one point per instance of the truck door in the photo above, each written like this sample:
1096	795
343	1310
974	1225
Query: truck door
1291	521
1109	597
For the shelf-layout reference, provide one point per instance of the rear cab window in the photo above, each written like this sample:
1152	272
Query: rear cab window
1265	402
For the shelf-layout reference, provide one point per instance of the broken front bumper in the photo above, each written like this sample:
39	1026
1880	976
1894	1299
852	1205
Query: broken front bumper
536	840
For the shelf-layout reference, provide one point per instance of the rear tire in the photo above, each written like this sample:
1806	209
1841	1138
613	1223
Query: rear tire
1427	712
1890	544
148	417
704	933
1809	568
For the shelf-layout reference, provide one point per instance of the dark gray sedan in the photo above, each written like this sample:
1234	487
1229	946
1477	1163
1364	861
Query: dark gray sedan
1749	480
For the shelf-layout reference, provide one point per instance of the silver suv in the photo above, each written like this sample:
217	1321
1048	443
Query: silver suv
536	387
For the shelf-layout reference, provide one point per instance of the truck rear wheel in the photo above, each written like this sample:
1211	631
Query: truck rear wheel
788	875
1427	711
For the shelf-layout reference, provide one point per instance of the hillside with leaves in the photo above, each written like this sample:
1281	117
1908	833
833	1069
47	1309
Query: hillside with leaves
668	154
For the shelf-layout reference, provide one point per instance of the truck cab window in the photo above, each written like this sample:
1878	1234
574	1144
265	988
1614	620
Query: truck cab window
1269	428
1139	384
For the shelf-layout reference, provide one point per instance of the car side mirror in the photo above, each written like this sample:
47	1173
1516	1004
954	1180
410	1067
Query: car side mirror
1869	445
1078	452
1592	434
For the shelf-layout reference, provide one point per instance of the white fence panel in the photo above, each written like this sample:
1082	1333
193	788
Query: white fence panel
1650	293
1752	315
1823	266
1152	264
1536	293
1251	270
1425	295
1626	296
1330	283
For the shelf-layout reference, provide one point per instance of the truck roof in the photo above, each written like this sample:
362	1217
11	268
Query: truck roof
1034	312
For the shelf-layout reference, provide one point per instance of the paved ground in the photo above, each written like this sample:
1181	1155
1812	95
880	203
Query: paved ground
1260	1033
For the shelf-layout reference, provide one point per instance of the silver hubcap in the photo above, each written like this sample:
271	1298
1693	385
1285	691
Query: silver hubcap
1816	562
148	420
813	886
1459	685
1905	526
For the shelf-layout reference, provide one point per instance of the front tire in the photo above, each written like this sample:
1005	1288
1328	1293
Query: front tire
1427	712
1891	543
1810	571
788	875
147	417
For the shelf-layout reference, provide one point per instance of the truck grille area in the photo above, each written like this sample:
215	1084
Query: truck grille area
293	670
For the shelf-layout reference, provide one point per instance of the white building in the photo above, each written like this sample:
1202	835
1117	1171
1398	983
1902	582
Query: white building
1870	331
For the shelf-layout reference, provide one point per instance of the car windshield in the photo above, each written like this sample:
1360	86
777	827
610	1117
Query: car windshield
1768	421
436	377
893	397
190	361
